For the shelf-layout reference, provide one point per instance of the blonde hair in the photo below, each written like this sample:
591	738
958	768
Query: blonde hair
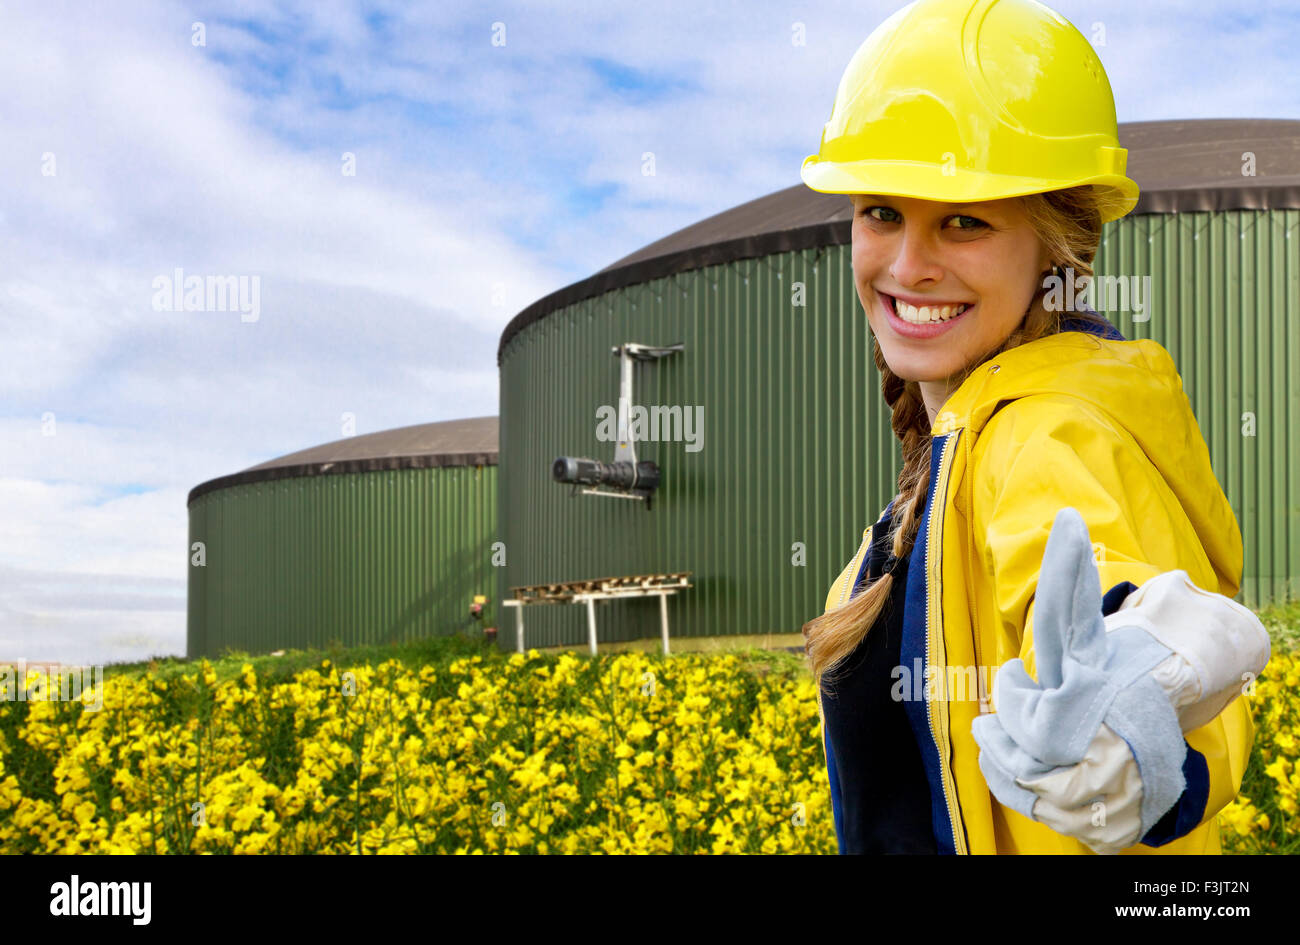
1068	223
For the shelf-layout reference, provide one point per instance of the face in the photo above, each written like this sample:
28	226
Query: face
905	250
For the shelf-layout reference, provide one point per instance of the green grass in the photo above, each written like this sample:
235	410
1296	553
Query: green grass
779	663
230	665
1283	624
1281	620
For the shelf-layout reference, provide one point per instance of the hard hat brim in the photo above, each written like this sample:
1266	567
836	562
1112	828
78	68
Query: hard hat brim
953	185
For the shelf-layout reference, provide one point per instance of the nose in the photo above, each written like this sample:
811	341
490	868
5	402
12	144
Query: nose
915	261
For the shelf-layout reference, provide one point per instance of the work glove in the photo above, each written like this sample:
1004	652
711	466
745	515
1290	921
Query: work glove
1218	646
1094	749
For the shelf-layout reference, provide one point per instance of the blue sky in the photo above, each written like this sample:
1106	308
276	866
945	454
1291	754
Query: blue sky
487	176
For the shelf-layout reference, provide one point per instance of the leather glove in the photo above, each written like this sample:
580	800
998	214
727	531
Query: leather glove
1218	646
1094	748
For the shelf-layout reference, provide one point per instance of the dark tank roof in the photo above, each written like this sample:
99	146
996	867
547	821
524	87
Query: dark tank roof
1180	165
469	442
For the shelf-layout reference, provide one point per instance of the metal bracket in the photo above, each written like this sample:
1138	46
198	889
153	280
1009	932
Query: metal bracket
625	451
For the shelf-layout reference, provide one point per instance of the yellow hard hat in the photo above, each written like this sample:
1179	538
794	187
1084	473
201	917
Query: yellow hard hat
967	100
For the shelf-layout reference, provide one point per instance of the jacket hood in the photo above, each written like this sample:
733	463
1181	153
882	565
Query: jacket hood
1137	385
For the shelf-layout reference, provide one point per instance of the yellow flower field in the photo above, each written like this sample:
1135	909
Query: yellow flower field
480	753
483	754
1263	818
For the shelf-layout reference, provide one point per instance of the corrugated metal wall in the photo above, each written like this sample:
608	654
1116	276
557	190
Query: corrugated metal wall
795	448
1226	290
797	445
355	558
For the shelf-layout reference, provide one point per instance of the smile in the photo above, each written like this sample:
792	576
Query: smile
928	322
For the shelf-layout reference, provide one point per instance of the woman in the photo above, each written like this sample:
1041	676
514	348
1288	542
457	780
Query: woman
1046	460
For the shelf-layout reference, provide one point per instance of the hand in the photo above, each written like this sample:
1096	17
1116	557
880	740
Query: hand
1094	748
1098	800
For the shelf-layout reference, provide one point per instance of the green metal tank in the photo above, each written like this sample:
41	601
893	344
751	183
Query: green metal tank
370	539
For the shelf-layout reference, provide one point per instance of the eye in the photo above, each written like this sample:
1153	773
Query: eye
972	223
976	223
868	212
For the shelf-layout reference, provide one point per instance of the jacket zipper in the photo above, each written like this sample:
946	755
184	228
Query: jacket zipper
855	568
934	638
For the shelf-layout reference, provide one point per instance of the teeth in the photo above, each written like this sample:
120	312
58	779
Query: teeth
927	314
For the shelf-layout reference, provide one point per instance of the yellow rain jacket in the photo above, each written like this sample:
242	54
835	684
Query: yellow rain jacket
1085	419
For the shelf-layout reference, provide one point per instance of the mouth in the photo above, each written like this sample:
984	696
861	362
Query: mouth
927	322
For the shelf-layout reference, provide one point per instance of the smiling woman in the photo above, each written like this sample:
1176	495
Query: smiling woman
926	270
970	185
997	267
